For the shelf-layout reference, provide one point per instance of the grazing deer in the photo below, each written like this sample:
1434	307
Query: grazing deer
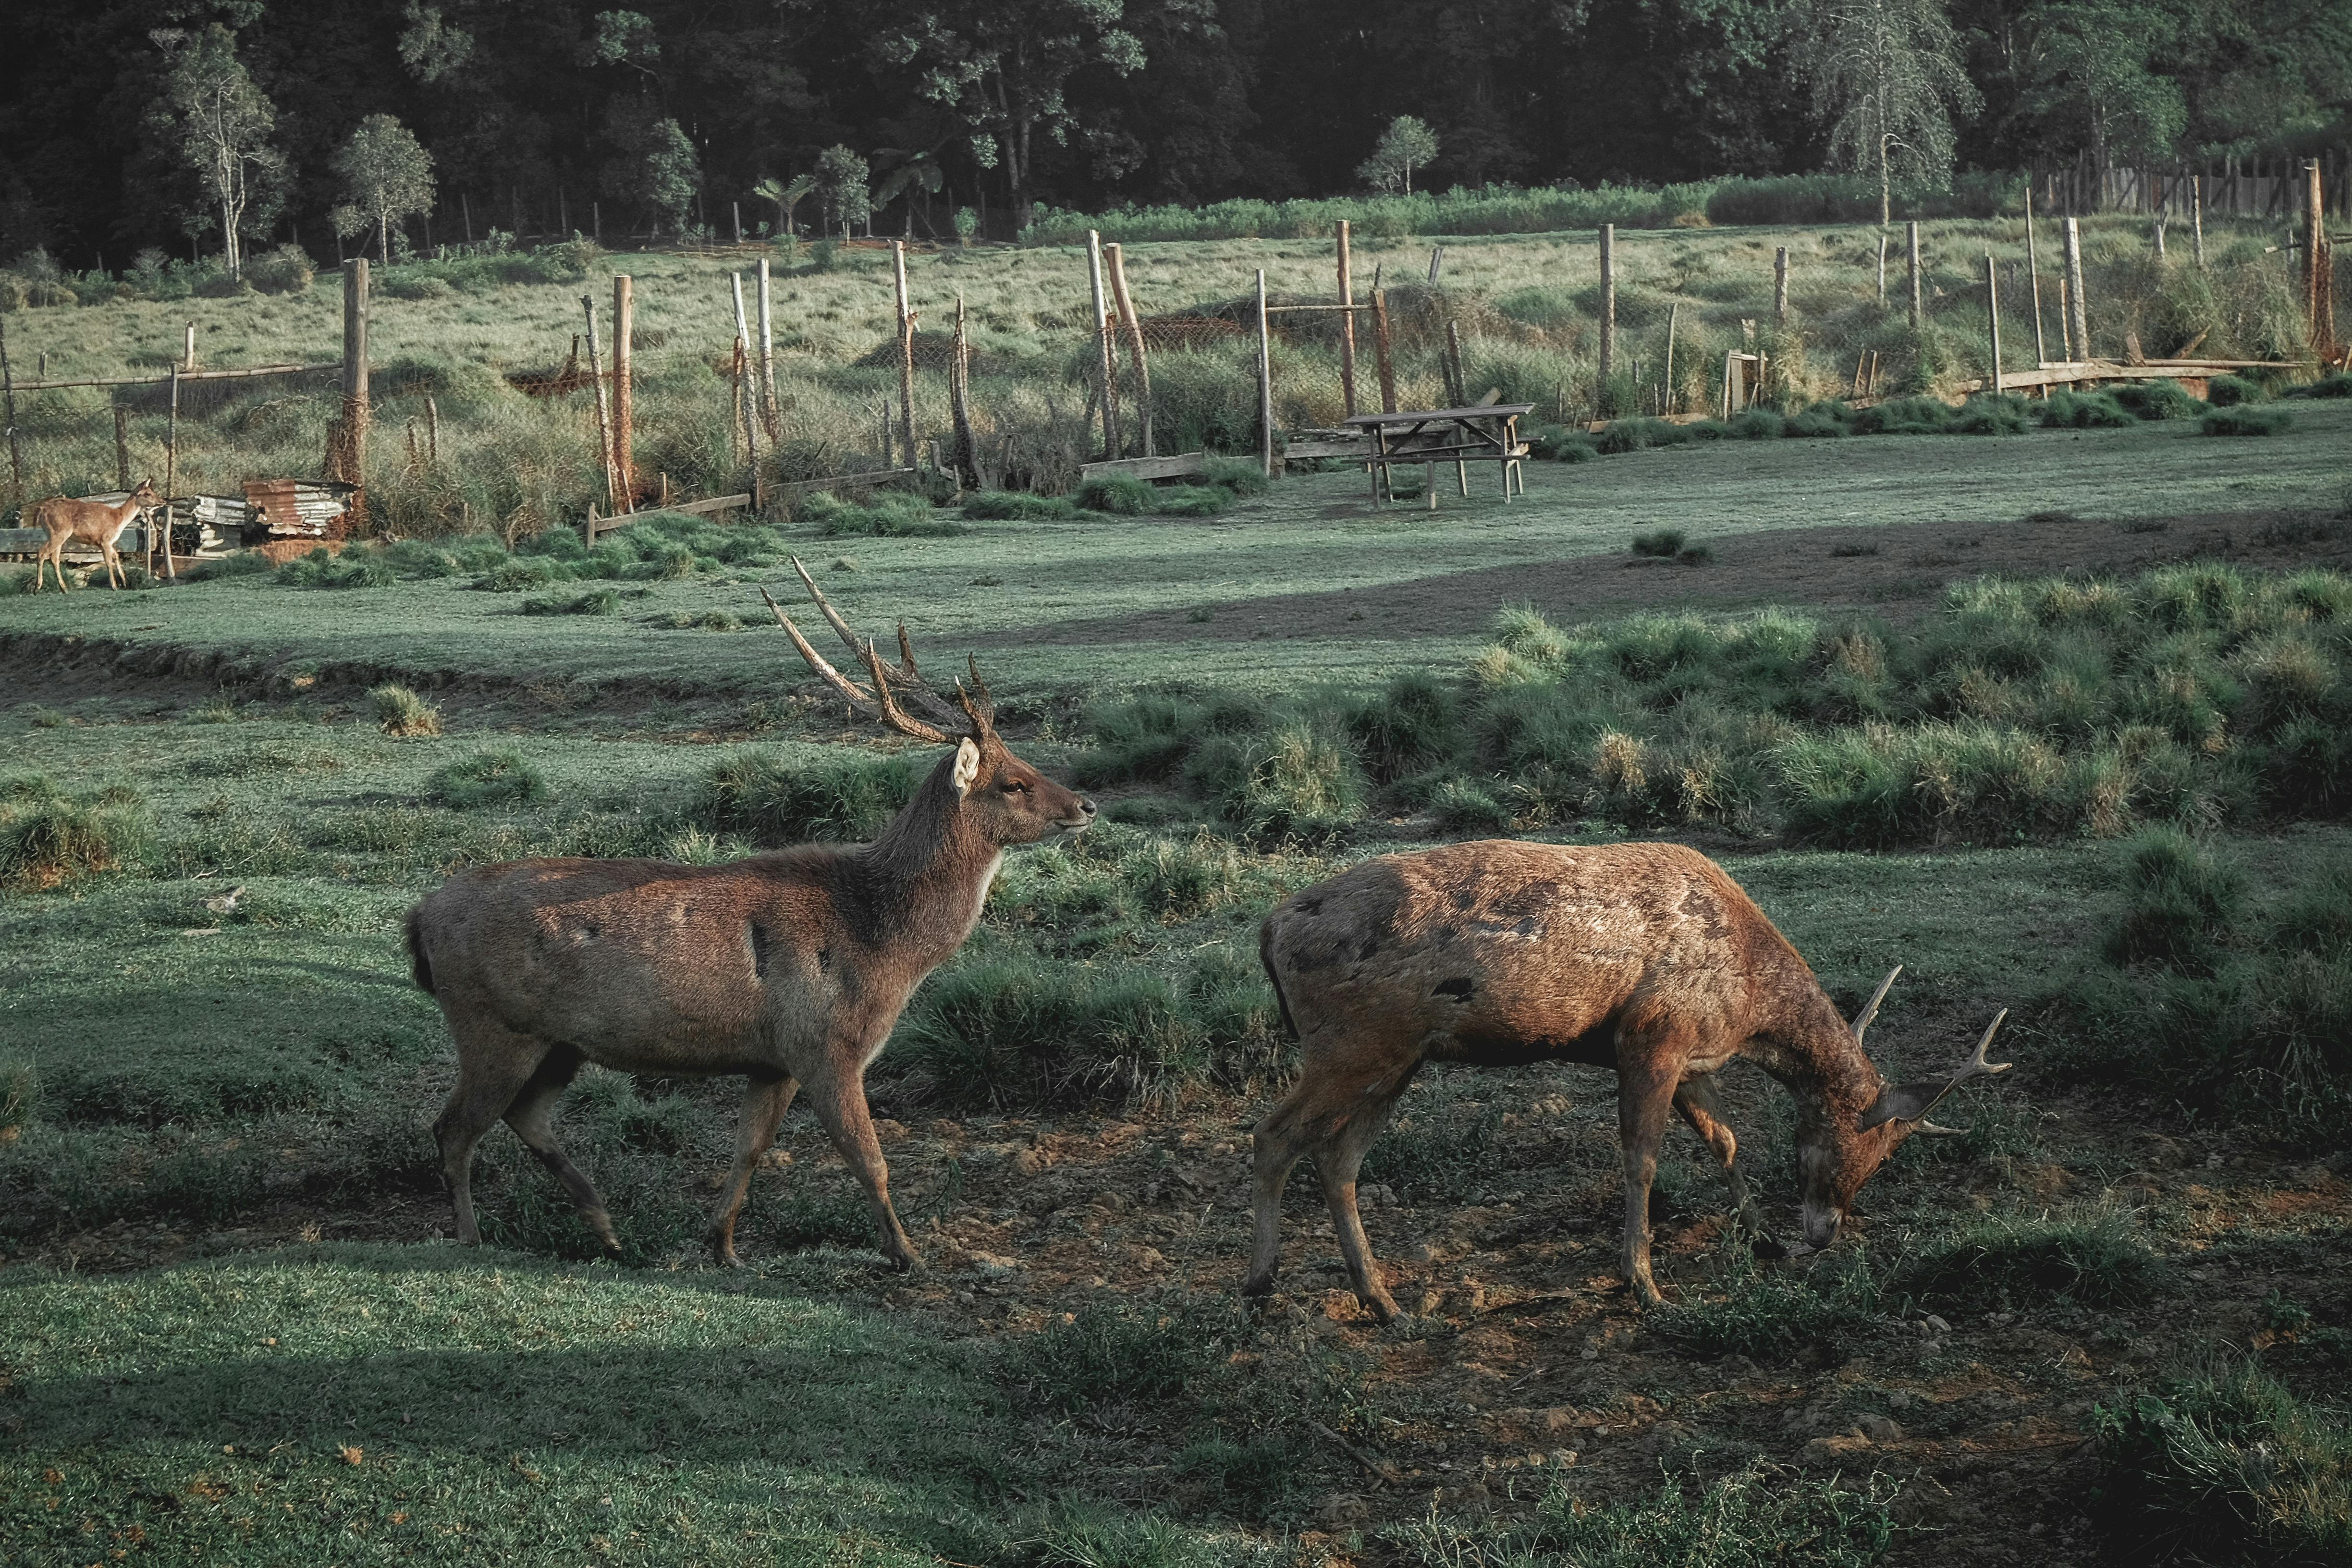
789	968
91	522
1641	957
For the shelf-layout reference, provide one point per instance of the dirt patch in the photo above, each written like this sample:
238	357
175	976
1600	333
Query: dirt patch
1896	570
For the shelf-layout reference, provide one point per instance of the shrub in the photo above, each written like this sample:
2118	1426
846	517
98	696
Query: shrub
487	778
1905	416
2230	391
1121	495
288	270
1558	444
1017	506
1757	425
1238	474
2334	384
2096	1257
1193	500
354	569
523	572
2227	1466
1987	415
1659	542
2157	400
894	515
403	713
1294	781
757	793
2246	419
1415	722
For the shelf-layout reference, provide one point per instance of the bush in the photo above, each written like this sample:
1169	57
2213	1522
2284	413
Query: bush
403	713
2227	1466
1558	444
2334	384
1660	541
49	839
487	778
288	270
1237	475
756	793
354	569
2157	400
1017	506
2246	420
895	515
1121	495
2230	391
2096	1257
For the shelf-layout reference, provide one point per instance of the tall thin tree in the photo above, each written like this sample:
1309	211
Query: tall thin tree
1888	77
224	123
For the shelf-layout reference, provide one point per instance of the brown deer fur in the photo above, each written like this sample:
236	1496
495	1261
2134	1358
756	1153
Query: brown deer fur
1645	958
789	968
92	522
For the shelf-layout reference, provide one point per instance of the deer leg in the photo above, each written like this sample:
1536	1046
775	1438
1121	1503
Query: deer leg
1702	1107
1337	1160
837	1094
494	1064
1276	1142
1644	1097
765	1101
114	578
531	1114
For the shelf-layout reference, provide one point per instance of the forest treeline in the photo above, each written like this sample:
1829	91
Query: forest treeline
534	114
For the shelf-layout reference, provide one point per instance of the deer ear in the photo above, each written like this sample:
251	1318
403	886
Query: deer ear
967	766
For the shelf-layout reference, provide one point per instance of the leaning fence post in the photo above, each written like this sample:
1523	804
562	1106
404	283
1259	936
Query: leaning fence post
1134	324
624	321
768	409
1346	325
906	352
604	423
1993	319
171	470
1380	346
1265	385
966	450
749	404
2033	274
2077	307
1102	345
347	442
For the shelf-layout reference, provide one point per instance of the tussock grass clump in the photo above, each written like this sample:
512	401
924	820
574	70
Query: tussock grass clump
2157	400
773	803
1124	495
1016	1032
1018	506
1238	475
595	602
1770	1313
2230	391
2246	419
352	569
1660	541
48	838
2226	1466
502	777
1753	1519
2180	898
402	713
1125	1353
2095	1256
886	516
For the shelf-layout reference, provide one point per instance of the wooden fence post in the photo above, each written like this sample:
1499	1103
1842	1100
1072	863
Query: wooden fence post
347	441
1436	260
2197	217
1102	346
1380	350
1882	260
171	452
188	354
1992	320
1780	284
905	350
15	447
1116	261
2317	272
769	410
1608	308
746	398
966	450
624	323
2033	274
1457	396
603	422
465	206
1911	231
1347	326
1264	384
2078	308
432	430
121	447
1666	394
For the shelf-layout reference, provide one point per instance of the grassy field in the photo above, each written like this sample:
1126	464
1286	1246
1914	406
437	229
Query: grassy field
2107	1319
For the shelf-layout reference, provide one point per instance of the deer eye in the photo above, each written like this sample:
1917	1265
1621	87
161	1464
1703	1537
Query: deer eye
1014	786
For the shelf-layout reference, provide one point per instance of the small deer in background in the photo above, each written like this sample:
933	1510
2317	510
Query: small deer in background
91	522
1645	958
789	968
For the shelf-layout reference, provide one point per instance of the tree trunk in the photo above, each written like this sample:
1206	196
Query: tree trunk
384	237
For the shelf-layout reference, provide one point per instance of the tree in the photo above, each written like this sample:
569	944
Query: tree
2088	69
1406	142
223	124
652	164
787	195
1003	67
841	190
1886	75
387	179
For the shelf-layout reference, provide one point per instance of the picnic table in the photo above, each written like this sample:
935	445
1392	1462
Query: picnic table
1489	432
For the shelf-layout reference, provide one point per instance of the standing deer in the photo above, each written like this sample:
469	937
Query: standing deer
789	968
91	522
1641	957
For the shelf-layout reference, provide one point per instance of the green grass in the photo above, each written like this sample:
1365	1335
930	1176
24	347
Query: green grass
2098	1258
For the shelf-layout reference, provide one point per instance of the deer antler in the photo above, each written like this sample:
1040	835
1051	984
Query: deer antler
1861	1020
1912	1101
980	709
889	685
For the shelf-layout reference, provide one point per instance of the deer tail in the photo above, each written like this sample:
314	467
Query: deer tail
418	968
1273	977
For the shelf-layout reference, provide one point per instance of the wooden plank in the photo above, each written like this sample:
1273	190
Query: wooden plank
185	375
1176	465
1305	449
30	541
871	477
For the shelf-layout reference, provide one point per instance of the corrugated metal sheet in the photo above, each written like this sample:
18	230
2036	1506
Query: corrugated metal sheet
299	509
